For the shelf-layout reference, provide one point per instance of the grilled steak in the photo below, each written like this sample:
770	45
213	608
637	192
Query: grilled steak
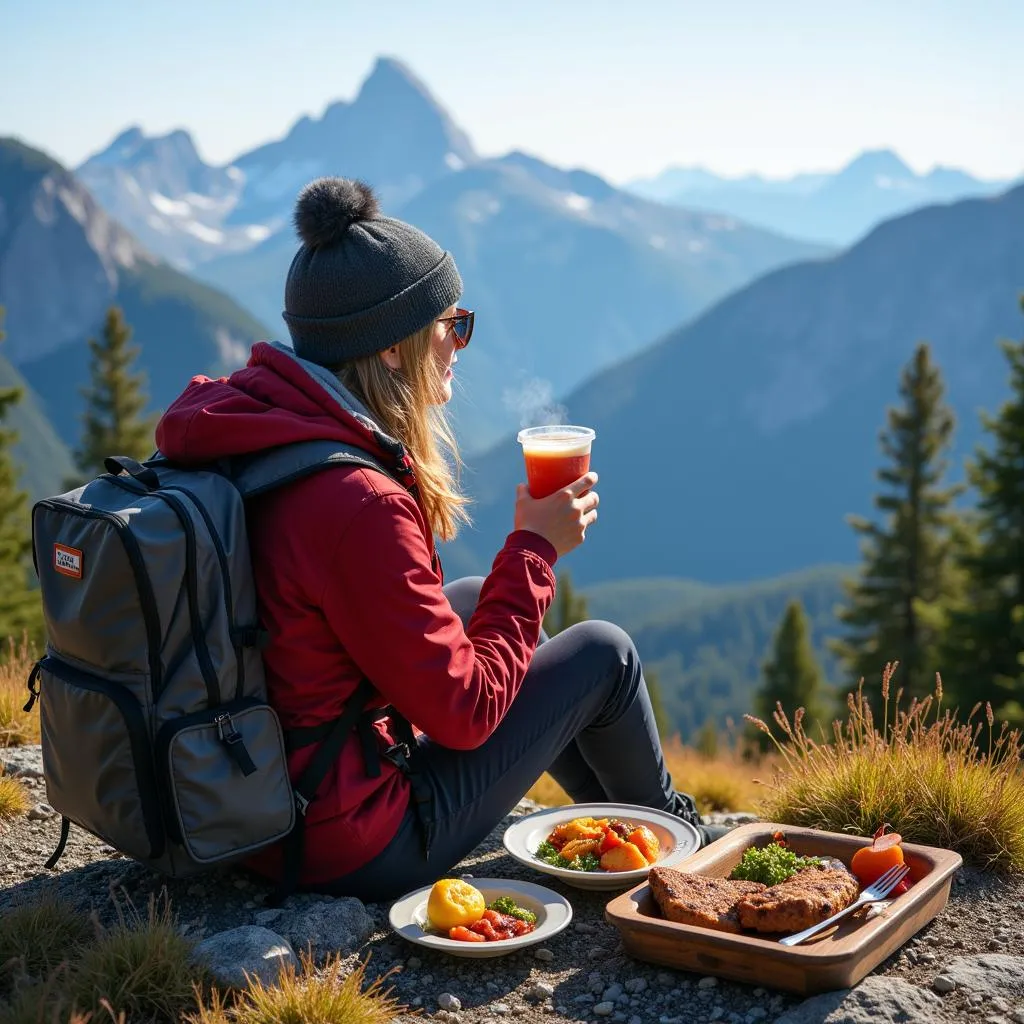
810	896
699	900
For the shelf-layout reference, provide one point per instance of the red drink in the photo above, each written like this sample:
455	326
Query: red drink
555	457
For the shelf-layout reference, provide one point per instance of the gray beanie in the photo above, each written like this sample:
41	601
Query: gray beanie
360	282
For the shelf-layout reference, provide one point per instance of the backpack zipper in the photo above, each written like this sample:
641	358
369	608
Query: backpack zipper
210	678
225	572
138	739
192	586
150	610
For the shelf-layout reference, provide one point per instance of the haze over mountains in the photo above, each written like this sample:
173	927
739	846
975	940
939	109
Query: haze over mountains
63	261
734	448
569	274
831	208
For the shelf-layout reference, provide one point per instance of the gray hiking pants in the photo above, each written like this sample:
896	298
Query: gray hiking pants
582	714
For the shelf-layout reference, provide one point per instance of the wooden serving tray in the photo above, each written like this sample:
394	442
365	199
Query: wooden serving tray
837	958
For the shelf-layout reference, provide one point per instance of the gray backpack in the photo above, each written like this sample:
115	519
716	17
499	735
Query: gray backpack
156	732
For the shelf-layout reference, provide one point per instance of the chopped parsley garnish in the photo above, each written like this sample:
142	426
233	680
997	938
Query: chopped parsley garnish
584	862
771	865
507	905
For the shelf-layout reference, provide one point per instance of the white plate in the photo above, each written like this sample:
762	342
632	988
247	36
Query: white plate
408	917
677	839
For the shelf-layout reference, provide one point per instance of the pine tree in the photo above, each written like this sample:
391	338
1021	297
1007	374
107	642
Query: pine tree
113	423
791	675
20	609
985	650
568	607
706	743
895	610
661	717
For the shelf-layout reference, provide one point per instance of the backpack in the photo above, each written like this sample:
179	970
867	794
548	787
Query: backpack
156	732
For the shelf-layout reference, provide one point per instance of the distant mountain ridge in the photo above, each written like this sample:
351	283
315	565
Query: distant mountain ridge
567	272
708	643
832	208
735	447
63	262
174	202
393	134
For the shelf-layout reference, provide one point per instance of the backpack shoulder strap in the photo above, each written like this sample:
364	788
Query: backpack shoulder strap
263	471
278	466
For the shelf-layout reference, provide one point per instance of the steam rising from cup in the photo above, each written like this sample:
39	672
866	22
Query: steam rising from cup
535	403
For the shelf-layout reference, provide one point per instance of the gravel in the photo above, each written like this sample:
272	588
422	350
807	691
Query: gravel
967	965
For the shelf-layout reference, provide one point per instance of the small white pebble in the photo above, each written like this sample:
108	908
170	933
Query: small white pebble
448	1002
542	990
544	955
943	984
500	1008
707	982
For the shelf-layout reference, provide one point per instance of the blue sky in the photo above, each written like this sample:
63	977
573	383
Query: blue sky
620	88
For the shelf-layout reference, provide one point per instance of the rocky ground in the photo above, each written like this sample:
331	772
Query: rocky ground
967	965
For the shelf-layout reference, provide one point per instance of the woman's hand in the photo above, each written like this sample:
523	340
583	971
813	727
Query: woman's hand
561	518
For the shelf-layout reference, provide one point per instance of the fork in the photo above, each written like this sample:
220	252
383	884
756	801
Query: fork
874	893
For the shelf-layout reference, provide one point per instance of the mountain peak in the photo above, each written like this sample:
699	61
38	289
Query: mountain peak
878	162
131	137
133	144
392	82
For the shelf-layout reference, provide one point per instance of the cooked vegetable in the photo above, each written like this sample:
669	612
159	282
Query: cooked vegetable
453	902
586	862
587	844
771	864
871	862
645	841
507	905
578	828
577	847
625	857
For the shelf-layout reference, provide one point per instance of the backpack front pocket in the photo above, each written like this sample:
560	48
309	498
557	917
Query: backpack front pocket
97	758
225	773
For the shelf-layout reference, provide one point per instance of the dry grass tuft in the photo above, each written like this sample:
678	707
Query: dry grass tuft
141	966
40	1002
61	968
937	779
13	798
724	782
309	997
17	726
36	938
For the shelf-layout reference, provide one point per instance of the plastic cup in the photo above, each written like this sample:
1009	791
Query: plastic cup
555	456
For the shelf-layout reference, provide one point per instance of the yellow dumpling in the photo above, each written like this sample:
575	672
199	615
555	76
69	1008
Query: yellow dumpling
453	902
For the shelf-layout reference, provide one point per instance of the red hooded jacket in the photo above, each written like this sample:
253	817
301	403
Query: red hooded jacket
348	586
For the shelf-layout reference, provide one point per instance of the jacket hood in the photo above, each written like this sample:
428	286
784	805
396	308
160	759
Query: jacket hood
277	398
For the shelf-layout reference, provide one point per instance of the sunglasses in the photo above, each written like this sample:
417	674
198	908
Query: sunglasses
461	325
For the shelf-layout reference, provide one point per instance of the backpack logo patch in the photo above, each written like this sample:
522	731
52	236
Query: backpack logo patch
67	561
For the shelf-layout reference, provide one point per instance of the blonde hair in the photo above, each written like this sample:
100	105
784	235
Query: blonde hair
405	405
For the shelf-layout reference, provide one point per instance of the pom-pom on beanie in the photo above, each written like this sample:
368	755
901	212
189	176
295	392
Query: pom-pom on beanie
360	282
